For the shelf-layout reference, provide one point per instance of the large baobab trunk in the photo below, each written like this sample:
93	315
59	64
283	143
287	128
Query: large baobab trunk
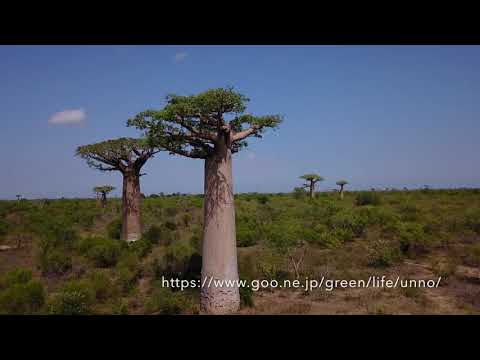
103	200
312	187
131	226
341	191
219	254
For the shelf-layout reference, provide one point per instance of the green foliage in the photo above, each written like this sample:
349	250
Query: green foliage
342	182
299	192
186	125
170	225
103	252
312	177
105	189
113	154
103	286
472	220
383	253
74	298
55	261
15	276
246	296
164	301
20	294
114	229
367	198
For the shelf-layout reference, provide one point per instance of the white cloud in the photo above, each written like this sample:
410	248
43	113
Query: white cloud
73	116
179	57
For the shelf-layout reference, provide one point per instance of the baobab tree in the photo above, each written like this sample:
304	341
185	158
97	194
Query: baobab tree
210	126
102	192
341	183
18	196
312	179
128	156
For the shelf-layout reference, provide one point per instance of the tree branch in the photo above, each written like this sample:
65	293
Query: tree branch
246	133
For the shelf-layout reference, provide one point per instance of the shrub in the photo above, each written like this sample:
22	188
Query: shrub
16	276
171	211
246	296
102	286
187	219
55	262
75	298
22	298
3	228
299	193
127	272
141	247
472	257
413	240
263	199
114	229
348	223
103	252
166	302
170	225
246	236
472	220
154	235
367	198
382	253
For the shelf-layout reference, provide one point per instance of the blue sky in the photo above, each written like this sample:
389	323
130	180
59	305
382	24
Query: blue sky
378	116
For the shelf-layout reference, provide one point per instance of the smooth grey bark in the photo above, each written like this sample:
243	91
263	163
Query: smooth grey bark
131	199
219	252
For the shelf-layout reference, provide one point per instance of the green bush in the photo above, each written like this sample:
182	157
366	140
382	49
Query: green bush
155	235
75	298
22	298
367	198
55	262
472	220
102	286
170	225
472	257
382	253
413	240
164	301
4	227
141	247
114	229
127	271
246	296
16	276
103	252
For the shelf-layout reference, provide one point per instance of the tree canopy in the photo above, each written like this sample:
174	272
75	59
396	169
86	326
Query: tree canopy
342	182
120	154
312	177
192	125
103	189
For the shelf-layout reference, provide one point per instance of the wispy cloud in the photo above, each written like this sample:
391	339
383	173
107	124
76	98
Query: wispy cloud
68	117
179	57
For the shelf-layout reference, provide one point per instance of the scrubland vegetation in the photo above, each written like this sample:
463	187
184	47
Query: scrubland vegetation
66	257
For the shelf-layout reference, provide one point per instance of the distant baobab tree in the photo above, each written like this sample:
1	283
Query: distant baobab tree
128	156
341	183
102	192
211	126
312	179
18	196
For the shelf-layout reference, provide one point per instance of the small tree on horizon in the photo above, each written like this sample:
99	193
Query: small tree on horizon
311	179
102	192
210	126
127	156
342	183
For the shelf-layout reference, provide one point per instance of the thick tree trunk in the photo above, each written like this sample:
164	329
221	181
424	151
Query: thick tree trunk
312	186
219	254
131	226
103	201
341	191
